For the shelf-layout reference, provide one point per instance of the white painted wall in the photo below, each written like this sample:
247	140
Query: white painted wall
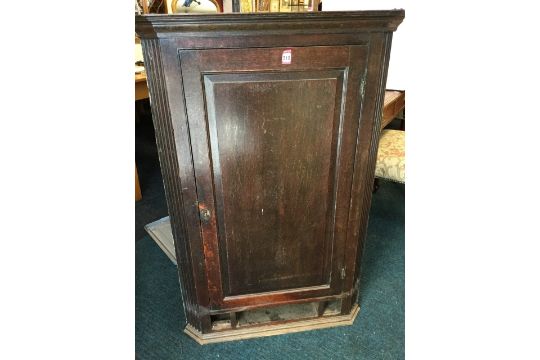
396	71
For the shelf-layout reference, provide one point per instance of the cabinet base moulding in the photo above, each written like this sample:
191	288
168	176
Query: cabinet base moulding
272	329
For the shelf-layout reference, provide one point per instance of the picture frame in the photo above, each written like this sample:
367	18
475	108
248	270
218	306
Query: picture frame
246	6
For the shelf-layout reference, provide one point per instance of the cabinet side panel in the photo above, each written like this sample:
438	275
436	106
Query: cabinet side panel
168	158
365	159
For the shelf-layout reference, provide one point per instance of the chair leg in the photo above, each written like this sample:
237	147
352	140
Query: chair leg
375	185
138	194
402	125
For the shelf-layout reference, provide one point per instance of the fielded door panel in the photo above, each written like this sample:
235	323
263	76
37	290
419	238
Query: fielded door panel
273	139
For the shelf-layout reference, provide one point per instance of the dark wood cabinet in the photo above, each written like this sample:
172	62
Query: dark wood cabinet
267	128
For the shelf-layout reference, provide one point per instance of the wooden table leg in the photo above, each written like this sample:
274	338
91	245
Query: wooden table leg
138	194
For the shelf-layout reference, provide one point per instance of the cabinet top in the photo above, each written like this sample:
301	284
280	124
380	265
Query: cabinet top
152	26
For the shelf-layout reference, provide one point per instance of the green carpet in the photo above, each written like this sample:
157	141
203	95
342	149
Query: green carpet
377	333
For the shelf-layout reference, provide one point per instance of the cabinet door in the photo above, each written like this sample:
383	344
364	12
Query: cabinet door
273	135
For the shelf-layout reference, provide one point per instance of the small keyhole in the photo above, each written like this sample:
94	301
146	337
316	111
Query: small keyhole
205	214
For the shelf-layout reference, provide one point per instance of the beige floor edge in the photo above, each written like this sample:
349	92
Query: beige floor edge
270	330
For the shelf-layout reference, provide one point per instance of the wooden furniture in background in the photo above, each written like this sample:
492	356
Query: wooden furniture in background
141	92
141	89
138	194
394	103
267	128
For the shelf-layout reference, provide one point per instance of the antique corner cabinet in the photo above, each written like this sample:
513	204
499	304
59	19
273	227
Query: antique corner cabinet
267	127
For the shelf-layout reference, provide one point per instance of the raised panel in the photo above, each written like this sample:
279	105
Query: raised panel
273	139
